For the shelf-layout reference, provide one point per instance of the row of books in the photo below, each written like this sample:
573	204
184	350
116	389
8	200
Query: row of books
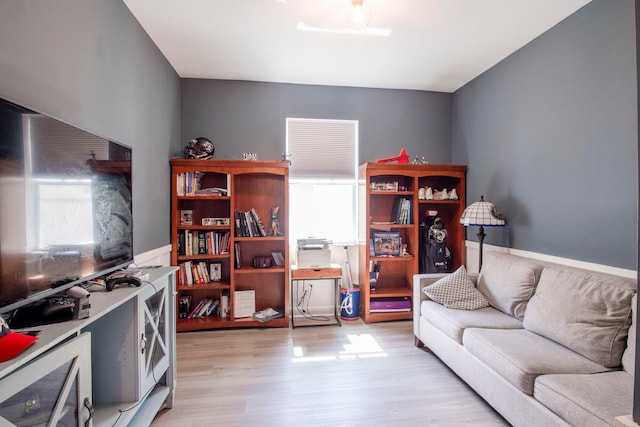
191	273
189	184
401	211
207	307
249	224
204	308
194	242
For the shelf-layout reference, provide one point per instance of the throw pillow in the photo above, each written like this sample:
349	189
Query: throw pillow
508	282
457	291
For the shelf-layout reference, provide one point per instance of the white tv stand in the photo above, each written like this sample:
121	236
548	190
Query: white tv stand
115	368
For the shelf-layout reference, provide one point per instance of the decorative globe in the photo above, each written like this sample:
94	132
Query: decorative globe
199	148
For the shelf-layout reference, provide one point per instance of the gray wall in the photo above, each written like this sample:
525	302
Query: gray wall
550	136
89	63
250	117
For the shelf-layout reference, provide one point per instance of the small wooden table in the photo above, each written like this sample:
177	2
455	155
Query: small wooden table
334	272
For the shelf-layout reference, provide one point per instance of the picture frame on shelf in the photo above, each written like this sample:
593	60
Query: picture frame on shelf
215	272
186	217
387	243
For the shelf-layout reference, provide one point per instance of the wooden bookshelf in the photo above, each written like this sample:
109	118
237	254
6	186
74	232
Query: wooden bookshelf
247	185
383	185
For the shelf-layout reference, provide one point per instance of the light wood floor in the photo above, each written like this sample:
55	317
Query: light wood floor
354	375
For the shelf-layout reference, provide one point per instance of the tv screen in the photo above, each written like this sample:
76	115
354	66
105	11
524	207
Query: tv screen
66	210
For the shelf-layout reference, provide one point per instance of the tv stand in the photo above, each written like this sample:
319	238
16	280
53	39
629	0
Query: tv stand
120	361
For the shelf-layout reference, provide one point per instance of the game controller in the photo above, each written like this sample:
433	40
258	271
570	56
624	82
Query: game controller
122	280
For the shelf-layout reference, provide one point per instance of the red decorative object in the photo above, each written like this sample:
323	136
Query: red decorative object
402	158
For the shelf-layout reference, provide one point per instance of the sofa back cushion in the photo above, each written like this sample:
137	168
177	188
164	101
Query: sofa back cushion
508	282
585	311
629	355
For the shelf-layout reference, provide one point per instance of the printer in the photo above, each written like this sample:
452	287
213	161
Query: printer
314	252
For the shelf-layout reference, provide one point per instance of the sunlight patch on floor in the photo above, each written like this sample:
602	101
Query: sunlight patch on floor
359	346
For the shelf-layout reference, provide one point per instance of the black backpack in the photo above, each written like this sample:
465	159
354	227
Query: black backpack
436	256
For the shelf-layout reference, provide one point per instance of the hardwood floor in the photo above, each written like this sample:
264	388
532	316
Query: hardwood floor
354	375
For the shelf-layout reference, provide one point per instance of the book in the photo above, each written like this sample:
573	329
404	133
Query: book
259	224
213	308
249	224
196	309
244	303
278	258
267	314
223	309
237	255
184	303
204	308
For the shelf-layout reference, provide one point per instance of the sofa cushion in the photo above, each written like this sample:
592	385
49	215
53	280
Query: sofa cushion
453	322
586	311
508	282
456	290
519	356
629	355
586	400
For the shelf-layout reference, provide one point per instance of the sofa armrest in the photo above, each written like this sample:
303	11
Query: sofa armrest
419	282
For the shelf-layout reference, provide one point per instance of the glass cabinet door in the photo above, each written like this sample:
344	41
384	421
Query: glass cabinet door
154	339
53	390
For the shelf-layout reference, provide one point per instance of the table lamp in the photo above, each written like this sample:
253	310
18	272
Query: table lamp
483	214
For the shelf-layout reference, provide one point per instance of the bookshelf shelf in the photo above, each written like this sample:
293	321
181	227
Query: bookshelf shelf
392	193
384	185
253	270
403	291
205	227
260	239
204	286
253	189
203	256
207	197
393	258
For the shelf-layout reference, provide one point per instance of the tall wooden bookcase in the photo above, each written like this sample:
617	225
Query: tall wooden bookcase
248	188
384	215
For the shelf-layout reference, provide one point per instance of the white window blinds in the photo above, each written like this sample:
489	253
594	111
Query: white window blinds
322	148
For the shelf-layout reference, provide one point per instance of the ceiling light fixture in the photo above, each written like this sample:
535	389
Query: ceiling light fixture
358	17
384	32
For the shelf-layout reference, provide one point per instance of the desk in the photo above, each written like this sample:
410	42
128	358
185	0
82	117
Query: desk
334	272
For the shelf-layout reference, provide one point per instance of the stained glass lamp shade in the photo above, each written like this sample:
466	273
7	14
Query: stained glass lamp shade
482	214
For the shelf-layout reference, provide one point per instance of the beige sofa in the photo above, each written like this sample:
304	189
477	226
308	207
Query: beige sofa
548	347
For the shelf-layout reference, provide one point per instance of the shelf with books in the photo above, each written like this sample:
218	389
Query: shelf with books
393	211
238	205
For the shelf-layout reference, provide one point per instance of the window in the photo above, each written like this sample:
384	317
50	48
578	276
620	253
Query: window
63	207
323	179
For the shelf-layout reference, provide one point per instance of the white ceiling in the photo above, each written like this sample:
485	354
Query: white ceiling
436	45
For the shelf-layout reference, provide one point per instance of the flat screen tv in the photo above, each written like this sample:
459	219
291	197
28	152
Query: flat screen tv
66	206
